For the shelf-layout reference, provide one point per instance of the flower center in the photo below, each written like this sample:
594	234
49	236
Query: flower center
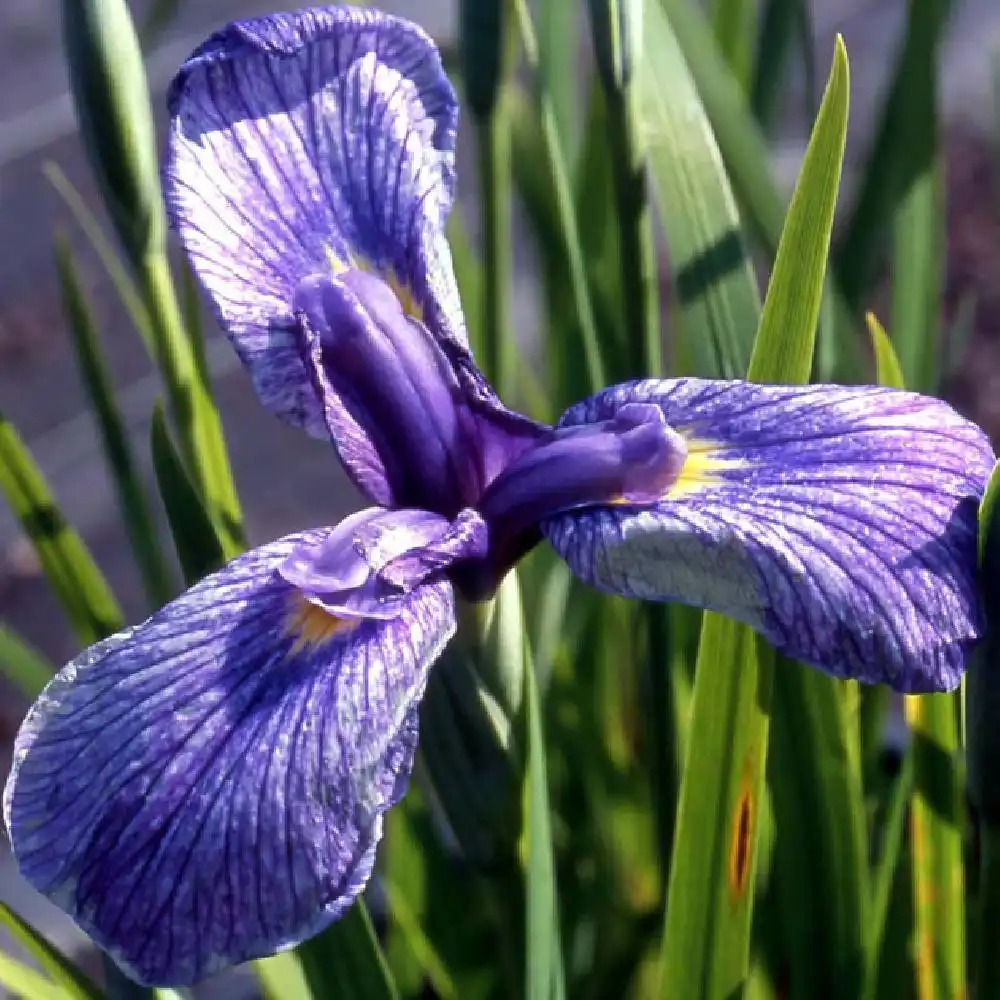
633	458
372	561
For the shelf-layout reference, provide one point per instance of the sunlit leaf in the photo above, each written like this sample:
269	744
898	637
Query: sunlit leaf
71	572
24	982
710	266
786	337
887	368
712	877
72	983
22	665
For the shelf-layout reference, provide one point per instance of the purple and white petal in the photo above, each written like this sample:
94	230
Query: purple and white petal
839	522
209	786
299	139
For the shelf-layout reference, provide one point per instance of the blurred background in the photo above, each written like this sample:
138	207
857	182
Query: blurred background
287	482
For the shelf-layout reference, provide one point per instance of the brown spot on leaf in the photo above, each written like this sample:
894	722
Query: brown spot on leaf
741	844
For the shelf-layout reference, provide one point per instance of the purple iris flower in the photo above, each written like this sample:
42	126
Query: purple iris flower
210	786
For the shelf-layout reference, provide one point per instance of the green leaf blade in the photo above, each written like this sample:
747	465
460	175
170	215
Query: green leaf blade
936	831
820	857
22	665
132	501
902	150
716	288
706	936
734	23
199	548
346	961
710	895
71	982
917	277
888	370
561	188
544	977
79	585
786	338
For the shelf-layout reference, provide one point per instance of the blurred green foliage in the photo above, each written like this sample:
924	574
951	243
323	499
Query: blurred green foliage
591	769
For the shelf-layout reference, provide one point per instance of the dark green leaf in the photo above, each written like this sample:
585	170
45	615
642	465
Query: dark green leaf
563	199
500	355
117	449
614	22
903	149
543	951
784	25
918	246
735	25
199	548
886	875
820	860
345	961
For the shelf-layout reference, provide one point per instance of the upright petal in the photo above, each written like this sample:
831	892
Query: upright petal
405	416
209	786
838	522
301	140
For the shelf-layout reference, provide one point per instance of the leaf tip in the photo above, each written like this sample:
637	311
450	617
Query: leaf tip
840	69
875	329
840	59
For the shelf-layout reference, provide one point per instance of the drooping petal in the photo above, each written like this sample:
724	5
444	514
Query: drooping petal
838	522
302	140
209	786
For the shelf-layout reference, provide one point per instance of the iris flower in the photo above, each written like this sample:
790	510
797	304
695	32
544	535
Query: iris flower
210	785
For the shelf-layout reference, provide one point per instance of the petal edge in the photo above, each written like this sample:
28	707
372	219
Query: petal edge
208	788
838	522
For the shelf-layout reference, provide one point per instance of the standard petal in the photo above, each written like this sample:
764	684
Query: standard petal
406	417
838	522
209	786
298	140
